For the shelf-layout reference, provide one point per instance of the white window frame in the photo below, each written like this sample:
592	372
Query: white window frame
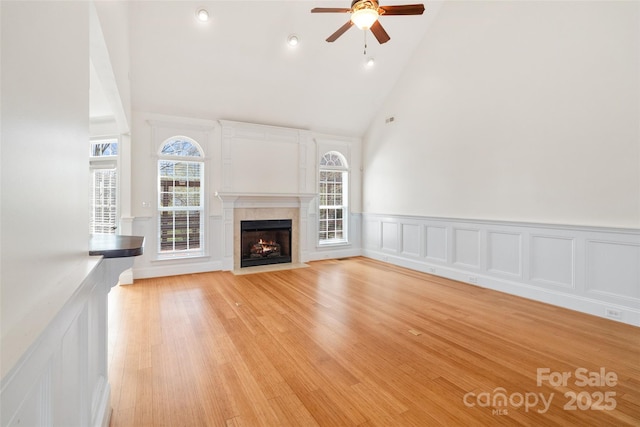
188	159
343	168
98	164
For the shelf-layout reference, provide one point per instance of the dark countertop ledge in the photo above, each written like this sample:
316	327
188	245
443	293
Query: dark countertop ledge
113	246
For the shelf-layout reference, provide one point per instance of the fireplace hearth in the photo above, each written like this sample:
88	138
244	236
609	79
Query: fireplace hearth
264	242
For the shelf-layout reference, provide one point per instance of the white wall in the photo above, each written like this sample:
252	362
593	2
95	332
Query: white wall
45	129
519	111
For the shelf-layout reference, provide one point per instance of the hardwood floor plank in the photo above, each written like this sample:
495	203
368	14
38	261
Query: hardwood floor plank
291	411
358	342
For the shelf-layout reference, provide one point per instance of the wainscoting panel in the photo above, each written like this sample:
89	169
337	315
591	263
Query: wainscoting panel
36	408
613	268
411	237
436	243
72	369
390	237
504	253
595	270
372	235
466	247
552	260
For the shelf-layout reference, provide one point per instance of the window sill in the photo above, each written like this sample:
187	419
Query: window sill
180	257
333	244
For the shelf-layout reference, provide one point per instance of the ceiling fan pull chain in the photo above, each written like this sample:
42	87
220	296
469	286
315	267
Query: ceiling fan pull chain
365	42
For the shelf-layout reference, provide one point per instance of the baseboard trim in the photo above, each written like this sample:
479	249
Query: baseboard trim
175	269
333	253
103	413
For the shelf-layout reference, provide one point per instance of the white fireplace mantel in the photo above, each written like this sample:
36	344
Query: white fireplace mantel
269	200
263	203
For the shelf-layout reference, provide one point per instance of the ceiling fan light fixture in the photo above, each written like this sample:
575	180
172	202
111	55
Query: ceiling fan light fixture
364	18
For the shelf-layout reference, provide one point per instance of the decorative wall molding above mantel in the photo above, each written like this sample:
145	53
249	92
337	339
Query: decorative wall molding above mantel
259	158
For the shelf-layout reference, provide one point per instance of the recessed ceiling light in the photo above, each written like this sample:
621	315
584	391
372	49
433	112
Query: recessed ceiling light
202	15
370	62
293	40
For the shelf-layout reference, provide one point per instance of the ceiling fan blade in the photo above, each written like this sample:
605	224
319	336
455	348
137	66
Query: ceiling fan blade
380	33
405	9
330	10
333	37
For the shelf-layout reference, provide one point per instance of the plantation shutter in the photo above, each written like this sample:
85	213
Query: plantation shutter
103	200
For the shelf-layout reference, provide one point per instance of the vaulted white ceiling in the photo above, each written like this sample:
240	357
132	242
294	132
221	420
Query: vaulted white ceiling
238	66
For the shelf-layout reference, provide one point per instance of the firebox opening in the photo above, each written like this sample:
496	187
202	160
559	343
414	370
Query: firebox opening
265	242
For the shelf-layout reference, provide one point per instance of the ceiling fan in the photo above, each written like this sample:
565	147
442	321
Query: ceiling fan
365	14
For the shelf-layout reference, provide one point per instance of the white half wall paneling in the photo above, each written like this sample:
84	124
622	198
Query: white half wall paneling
594	270
411	239
436	243
552	260
61	379
466	247
70	374
613	269
35	409
372	234
504	253
390	241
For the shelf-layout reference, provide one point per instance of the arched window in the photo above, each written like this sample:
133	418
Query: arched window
180	197
333	198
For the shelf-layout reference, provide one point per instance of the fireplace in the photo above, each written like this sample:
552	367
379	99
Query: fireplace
239	207
264	242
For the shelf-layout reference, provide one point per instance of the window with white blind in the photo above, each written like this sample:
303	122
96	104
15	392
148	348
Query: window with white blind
180	198
103	186
333	199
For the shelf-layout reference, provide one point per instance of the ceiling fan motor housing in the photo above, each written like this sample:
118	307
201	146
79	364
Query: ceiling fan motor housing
364	4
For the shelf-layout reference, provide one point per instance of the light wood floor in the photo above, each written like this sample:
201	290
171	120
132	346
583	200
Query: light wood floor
357	342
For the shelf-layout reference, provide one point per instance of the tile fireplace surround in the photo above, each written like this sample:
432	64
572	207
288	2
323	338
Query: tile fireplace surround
255	206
